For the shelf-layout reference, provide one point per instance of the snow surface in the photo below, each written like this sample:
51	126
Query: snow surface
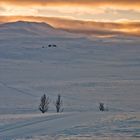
85	71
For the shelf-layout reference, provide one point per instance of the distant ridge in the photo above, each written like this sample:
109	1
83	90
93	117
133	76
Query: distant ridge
26	24
26	29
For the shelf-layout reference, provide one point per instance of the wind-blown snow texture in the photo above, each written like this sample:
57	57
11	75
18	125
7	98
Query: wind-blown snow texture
84	71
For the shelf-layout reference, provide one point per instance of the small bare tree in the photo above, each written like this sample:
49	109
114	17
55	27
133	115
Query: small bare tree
101	107
58	104
44	105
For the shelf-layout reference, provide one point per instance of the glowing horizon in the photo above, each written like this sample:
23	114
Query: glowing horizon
111	10
86	27
83	13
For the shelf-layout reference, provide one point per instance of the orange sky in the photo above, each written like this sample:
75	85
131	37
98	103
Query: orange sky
111	10
92	3
79	26
98	14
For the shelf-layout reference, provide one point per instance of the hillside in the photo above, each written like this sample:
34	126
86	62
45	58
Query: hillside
84	70
31	29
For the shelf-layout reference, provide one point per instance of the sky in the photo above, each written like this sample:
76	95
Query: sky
113	16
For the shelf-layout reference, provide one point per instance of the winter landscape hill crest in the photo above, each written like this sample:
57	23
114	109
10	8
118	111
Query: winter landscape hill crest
31	29
26	24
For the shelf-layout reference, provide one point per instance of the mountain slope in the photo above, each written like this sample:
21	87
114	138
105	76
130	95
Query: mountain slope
84	72
31	29
33	35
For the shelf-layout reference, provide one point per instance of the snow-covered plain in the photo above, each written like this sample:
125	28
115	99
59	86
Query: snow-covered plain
85	71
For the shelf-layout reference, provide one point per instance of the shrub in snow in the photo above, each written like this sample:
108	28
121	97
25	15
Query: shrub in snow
44	105
58	104
101	107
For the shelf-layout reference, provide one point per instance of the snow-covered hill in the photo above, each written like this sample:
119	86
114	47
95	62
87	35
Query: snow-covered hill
31	29
85	71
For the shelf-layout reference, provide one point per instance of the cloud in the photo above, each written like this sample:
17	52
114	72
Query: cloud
78	9
2	9
84	27
90	3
